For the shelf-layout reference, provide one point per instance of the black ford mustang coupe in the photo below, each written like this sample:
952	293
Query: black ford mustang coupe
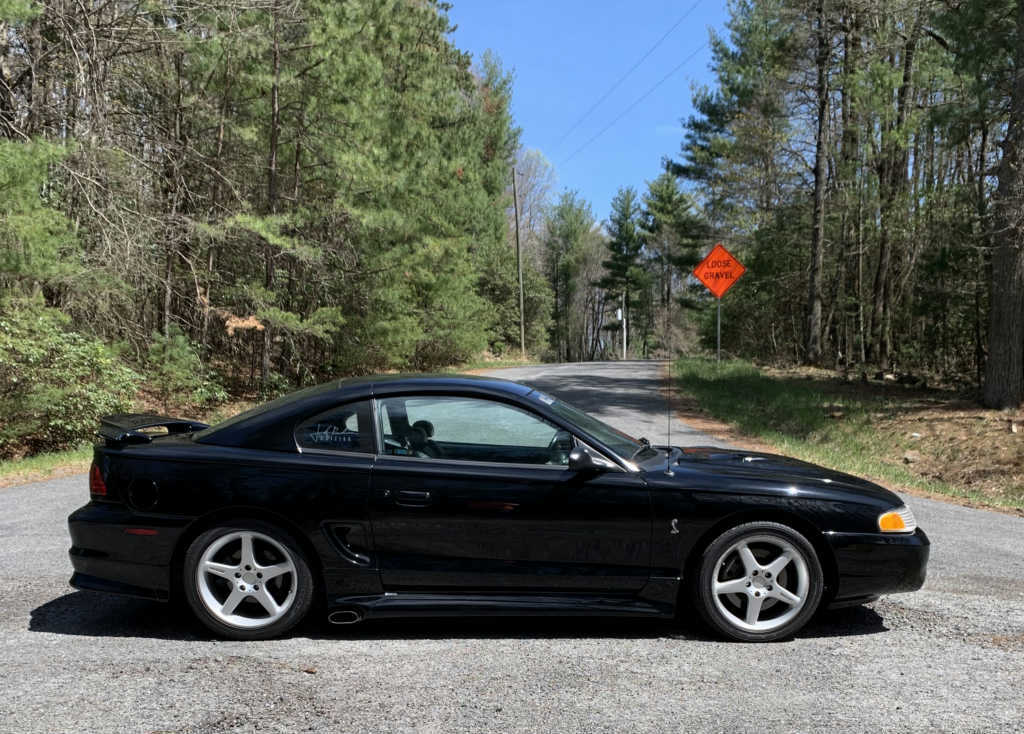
443	495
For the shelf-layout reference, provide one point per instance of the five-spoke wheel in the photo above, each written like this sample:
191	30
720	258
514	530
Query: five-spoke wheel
250	581
759	581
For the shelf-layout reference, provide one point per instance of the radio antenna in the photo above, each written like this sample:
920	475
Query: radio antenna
668	410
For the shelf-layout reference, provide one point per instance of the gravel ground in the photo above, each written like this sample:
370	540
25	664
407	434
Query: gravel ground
947	658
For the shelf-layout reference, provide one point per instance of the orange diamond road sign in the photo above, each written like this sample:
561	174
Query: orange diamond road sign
719	271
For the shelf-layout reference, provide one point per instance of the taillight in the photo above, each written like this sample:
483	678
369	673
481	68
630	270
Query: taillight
97	487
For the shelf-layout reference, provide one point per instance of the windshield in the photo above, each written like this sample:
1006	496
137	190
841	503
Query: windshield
621	443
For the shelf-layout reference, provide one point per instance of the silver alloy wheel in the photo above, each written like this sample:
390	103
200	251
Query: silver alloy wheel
246	579
766	583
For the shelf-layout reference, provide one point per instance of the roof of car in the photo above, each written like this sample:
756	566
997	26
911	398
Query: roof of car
260	423
389	383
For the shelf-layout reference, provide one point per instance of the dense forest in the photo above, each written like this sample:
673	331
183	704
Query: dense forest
210	199
864	157
244	195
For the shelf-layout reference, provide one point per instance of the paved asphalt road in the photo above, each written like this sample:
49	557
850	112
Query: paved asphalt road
947	658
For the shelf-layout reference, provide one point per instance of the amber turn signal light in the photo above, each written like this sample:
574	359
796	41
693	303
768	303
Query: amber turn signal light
900	520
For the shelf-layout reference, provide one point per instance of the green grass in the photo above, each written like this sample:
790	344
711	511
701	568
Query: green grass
41	466
792	414
493	364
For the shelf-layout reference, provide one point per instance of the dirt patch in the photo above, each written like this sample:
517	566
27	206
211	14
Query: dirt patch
1003	642
962	445
688	410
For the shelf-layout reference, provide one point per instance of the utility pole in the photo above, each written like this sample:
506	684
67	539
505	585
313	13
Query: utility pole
623	324
519	268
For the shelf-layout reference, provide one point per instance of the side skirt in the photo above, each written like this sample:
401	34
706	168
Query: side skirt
414	604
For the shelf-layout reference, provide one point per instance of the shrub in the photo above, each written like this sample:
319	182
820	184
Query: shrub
54	383
174	370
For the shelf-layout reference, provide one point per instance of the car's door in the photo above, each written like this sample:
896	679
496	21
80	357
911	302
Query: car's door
473	493
337	450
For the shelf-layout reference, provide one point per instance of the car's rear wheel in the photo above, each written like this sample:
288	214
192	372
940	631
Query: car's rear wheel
758	582
247	581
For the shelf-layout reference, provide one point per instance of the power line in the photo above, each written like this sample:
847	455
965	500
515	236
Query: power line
639	99
633	68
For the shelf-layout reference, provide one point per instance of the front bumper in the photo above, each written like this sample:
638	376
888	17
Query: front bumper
872	564
117	550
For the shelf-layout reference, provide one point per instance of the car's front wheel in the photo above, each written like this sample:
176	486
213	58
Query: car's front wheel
758	582
247	581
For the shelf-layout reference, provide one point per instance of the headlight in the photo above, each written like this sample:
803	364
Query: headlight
900	520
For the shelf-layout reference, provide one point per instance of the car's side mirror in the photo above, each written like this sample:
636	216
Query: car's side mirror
583	461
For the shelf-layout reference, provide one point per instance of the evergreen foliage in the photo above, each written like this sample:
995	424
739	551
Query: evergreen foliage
283	191
174	370
54	383
846	153
624	274
570	238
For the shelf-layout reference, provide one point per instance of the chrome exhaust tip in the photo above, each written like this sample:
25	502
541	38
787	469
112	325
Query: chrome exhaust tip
345	616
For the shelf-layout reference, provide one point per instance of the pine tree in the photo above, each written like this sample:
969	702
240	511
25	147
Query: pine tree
625	276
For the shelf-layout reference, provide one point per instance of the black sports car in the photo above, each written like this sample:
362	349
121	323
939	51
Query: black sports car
443	495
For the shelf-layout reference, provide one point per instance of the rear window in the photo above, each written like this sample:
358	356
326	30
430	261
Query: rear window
256	411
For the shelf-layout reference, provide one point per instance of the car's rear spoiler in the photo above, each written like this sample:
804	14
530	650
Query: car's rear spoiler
132	427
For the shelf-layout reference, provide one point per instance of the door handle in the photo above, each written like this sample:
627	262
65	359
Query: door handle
413	497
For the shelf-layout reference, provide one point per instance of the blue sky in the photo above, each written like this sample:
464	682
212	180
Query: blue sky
566	54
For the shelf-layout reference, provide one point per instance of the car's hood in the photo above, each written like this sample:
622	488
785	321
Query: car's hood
734	465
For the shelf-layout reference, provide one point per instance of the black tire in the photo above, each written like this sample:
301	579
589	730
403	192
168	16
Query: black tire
251	618
722	562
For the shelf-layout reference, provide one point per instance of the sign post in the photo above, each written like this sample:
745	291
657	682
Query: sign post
719	272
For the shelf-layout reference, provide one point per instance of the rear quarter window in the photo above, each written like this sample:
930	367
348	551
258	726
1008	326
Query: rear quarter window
344	428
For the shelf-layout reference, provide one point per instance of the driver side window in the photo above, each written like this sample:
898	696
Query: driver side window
470	429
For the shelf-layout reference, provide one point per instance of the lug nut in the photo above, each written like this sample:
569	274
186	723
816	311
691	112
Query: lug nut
748	583
757	593
767	574
238	575
259	575
248	568
753	573
770	587
256	588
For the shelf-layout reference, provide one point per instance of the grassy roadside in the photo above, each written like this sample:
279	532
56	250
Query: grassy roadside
923	441
45	466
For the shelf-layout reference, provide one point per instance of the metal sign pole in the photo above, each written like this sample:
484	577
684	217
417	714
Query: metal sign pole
718	358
